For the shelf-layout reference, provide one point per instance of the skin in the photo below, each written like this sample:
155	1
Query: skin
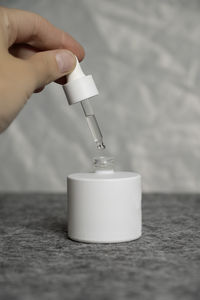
29	45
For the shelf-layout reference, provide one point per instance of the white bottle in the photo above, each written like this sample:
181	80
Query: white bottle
104	206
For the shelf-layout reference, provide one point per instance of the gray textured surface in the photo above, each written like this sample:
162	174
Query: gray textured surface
145	57
37	261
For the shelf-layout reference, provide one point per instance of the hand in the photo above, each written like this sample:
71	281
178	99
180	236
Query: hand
33	53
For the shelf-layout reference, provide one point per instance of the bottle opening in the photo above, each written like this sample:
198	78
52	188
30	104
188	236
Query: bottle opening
103	164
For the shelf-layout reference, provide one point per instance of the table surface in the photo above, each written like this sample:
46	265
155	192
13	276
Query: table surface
38	261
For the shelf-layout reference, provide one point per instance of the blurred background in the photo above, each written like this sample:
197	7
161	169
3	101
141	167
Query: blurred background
145	58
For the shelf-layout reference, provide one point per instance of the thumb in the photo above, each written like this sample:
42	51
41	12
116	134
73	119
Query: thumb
48	66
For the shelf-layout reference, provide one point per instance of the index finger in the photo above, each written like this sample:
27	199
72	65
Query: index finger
26	27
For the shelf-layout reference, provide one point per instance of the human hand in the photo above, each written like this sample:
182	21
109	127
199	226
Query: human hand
33	53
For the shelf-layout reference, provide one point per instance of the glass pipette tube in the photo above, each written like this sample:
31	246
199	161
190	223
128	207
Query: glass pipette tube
92	123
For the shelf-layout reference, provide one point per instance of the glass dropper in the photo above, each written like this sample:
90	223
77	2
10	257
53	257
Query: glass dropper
93	124
79	88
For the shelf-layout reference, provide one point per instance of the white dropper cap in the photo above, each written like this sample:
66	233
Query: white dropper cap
79	86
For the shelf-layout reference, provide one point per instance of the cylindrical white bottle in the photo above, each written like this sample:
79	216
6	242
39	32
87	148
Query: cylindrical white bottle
104	206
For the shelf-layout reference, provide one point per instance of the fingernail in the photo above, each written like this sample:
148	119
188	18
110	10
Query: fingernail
66	61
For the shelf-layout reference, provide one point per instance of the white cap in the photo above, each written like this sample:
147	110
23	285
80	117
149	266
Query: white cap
79	86
104	207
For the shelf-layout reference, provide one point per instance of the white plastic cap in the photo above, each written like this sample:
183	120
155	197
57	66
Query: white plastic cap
79	86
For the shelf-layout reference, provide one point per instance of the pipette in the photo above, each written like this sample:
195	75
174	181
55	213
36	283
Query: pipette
92	123
80	88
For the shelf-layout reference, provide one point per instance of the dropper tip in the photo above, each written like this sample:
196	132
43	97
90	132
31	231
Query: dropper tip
101	146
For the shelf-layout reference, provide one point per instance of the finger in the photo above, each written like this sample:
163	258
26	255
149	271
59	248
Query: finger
24	51
49	66
27	27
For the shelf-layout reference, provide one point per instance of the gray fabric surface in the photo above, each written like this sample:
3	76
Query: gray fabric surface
37	261
145	59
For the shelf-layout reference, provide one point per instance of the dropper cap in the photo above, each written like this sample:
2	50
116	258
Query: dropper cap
79	86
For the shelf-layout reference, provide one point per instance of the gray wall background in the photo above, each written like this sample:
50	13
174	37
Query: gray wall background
145	58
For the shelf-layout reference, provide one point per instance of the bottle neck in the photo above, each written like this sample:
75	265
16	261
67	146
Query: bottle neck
103	165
